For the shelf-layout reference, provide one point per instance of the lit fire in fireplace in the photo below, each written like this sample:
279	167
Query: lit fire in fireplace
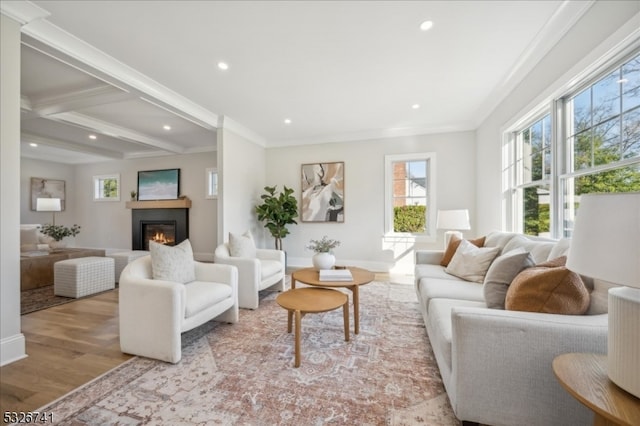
160	238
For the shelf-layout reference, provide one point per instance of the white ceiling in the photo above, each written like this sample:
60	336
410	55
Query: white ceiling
340	70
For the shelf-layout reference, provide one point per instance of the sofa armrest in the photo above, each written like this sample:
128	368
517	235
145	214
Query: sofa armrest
501	364
431	257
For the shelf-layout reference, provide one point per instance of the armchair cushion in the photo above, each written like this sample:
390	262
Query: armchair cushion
201	295
172	263
242	245
270	267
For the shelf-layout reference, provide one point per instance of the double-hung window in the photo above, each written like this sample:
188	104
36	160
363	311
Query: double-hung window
585	141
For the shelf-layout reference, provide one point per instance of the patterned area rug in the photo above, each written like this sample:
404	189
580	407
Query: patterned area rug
40	298
243	374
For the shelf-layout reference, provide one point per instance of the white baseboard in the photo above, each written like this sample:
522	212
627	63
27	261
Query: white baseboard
12	349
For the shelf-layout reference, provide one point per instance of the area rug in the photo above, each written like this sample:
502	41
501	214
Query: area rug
243	374
40	298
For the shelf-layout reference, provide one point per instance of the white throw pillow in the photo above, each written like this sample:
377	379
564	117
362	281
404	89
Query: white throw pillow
470	262
172	263
242	245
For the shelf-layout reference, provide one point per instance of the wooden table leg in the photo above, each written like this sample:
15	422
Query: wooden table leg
345	312
289	320
356	309
297	337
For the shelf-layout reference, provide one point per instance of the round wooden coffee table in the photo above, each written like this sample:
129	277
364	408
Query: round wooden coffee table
301	301
361	276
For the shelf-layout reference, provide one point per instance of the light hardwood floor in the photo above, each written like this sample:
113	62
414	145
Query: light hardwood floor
68	346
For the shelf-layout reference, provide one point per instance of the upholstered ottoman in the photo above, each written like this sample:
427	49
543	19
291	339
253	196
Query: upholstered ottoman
123	258
83	276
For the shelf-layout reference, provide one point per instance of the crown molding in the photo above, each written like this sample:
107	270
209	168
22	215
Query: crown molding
243	131
22	12
82	148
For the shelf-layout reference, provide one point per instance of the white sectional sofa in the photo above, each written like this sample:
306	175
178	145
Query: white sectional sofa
496	364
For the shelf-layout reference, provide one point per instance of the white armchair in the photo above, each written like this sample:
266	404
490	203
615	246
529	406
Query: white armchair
154	313
265	271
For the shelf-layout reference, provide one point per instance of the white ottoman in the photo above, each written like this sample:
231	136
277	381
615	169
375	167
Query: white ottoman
83	276
123	258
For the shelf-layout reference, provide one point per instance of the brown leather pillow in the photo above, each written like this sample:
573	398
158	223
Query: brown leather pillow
548	288
454	243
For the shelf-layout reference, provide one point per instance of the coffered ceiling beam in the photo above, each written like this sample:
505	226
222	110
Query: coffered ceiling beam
77	147
80	99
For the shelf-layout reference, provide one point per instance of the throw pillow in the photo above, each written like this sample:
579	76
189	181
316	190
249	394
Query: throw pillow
242	245
500	274
454	243
470	262
172	263
548	288
29	236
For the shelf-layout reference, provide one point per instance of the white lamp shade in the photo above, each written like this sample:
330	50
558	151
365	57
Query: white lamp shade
48	205
453	219
606	238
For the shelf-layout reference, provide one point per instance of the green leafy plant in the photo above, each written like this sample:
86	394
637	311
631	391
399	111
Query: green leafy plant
58	232
133	194
325	245
409	219
277	211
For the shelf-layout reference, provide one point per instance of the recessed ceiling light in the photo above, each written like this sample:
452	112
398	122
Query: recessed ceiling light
415	106
33	144
223	65
93	137
166	127
287	121
426	25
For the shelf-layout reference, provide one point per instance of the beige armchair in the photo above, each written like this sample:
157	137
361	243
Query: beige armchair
154	313
264	271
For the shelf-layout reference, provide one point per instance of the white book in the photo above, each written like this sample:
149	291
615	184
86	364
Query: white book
335	275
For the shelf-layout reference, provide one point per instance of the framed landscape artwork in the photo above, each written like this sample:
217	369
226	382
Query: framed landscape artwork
158	184
47	188
322	192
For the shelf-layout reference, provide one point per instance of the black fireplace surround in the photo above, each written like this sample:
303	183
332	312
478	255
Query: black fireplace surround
140	217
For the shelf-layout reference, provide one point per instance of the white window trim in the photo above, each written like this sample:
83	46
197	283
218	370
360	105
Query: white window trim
207	175
98	179
431	234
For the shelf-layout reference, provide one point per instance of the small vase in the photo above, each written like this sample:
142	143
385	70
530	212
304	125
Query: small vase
57	245
323	261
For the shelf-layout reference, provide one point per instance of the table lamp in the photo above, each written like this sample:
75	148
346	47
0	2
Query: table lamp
453	221
606	245
49	205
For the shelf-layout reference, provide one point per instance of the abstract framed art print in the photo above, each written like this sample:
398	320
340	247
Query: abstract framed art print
322	192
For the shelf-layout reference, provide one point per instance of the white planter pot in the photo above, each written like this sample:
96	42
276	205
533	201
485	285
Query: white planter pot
57	245
323	261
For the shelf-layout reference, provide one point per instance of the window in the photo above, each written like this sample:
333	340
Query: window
106	187
409	193
211	183
595	149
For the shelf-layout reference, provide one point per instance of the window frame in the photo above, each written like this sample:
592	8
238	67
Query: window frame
209	173
430	158
98	183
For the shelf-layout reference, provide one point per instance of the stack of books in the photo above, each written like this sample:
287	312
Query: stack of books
335	275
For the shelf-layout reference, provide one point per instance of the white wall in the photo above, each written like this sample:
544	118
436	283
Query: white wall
12	342
362	233
107	224
599	30
241	174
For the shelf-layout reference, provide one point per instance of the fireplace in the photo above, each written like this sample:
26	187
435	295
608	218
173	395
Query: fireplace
165	226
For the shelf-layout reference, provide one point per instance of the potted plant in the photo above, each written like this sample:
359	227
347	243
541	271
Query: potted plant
58	232
323	257
133	195
277	211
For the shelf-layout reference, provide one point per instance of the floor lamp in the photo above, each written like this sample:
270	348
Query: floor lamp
606	245
453	221
49	205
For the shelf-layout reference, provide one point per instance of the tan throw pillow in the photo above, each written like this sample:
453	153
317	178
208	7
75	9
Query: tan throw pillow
242	245
501	273
470	262
454	243
172	263
548	288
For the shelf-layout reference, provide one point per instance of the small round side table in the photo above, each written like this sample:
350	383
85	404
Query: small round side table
584	376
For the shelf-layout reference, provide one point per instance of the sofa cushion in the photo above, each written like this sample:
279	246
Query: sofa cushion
454	243
432	271
548	288
498	239
242	245
433	288
29	236
172	263
471	262
500	274
204	294
539	249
